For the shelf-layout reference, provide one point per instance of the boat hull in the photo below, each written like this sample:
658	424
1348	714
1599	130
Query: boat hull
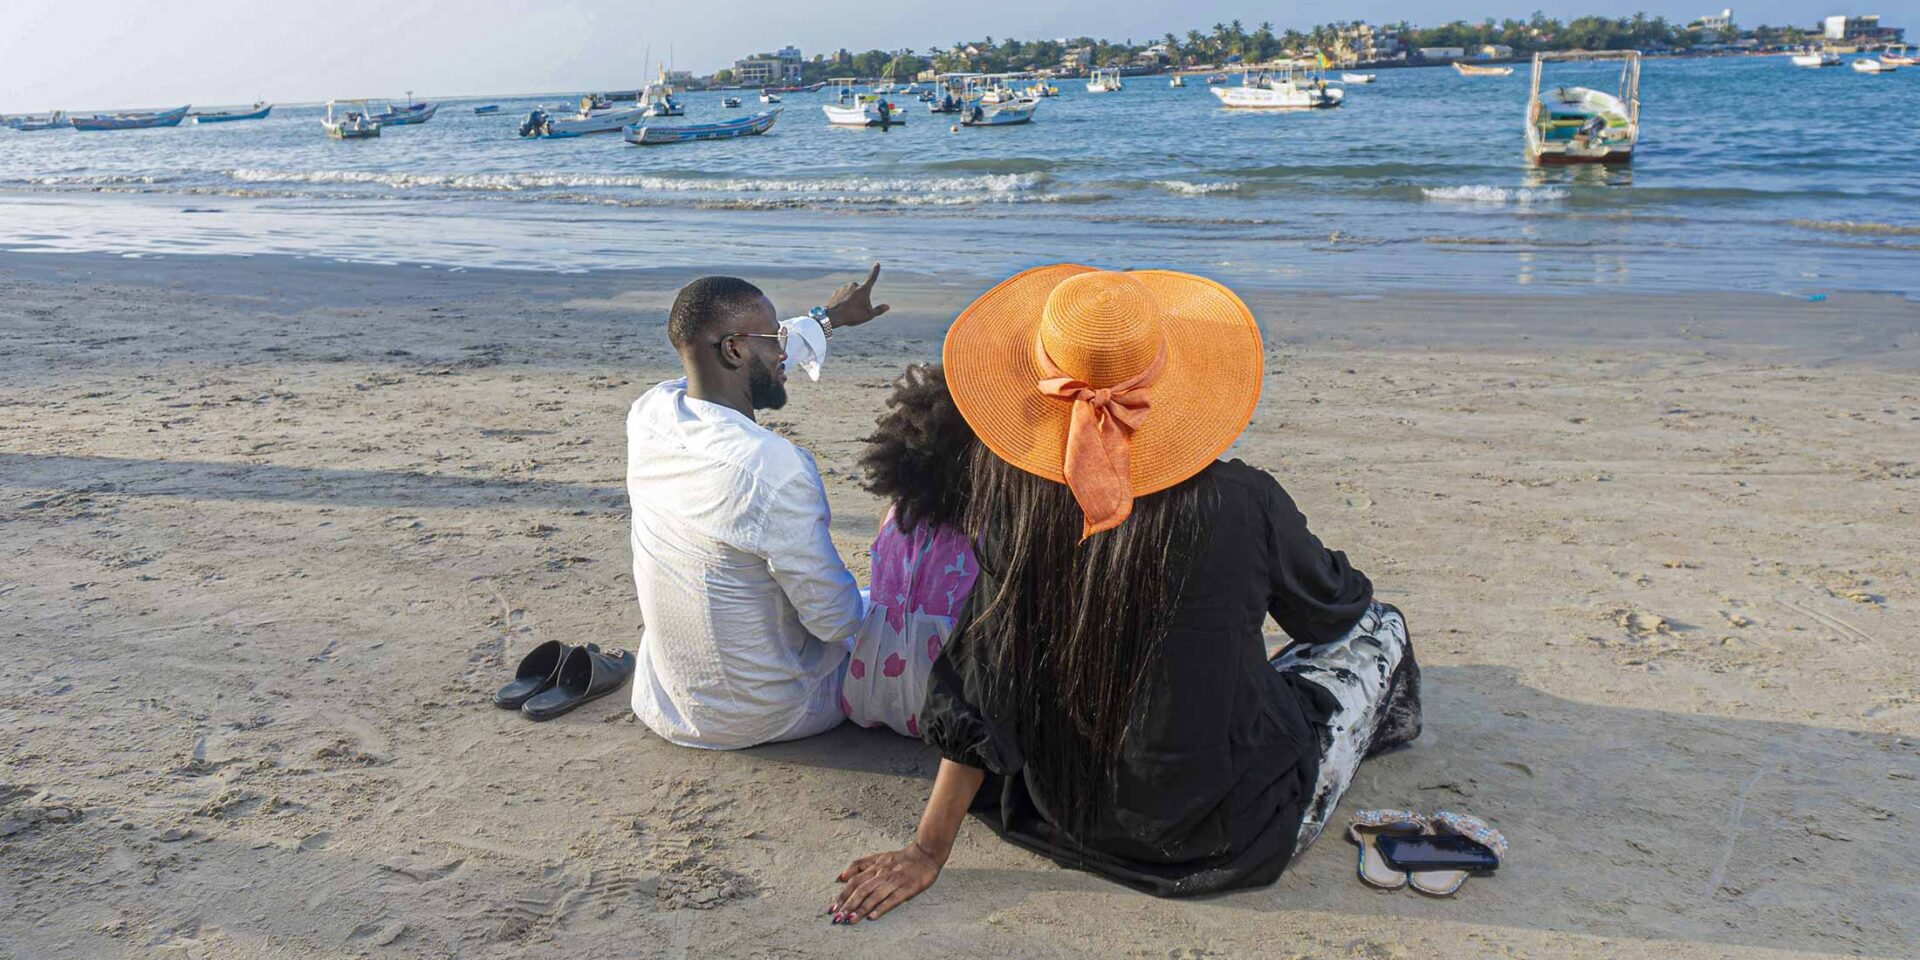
1008	114
1472	71
260	114
1261	98
655	134
864	115
560	128
1611	158
170	118
407	118
487	110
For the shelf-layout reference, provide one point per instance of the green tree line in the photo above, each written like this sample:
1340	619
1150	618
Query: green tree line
1232	41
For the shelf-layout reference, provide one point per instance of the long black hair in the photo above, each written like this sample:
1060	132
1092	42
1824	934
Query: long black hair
918	455
1075	626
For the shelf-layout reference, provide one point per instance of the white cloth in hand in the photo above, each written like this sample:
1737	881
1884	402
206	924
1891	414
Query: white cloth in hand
806	346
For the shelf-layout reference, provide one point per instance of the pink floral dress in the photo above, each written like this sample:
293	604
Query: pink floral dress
920	581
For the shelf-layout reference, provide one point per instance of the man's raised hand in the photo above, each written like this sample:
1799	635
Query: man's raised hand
852	304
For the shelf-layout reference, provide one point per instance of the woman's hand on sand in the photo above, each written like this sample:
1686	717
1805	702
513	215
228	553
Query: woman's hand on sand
852	304
876	884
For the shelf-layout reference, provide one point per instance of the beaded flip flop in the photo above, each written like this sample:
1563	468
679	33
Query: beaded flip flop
1365	826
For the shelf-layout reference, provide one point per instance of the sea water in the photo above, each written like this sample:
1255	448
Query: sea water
1751	174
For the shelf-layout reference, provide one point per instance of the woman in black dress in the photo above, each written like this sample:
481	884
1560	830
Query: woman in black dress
1106	699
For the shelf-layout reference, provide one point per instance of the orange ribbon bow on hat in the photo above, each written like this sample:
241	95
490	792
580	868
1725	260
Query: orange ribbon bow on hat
1099	437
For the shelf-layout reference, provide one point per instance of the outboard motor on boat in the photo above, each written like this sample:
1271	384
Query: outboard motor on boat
535	124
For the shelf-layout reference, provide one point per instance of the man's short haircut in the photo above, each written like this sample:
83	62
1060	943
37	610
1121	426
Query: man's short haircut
707	304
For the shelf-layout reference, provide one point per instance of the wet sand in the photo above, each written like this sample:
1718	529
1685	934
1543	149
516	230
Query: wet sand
271	532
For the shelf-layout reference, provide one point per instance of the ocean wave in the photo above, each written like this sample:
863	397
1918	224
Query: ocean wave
1867	228
998	164
98	180
1482	193
988	184
1188	189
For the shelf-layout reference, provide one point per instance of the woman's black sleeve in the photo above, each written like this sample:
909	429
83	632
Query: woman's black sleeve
1317	596
955	719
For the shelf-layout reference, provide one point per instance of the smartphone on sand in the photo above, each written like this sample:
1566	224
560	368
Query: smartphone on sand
1436	852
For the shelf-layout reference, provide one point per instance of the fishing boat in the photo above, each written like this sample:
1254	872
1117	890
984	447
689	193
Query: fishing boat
945	97
486	109
1356	78
1042	90
1469	70
1104	81
1899	55
259	111
1870	65
131	121
988	100
1177	81
29	124
1816	58
406	114
350	124
1576	125
1004	114
541	125
1288	91
769	97
1216	79
730	102
658	99
648	135
852	109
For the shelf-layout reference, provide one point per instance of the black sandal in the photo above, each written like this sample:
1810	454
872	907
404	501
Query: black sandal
585	674
539	670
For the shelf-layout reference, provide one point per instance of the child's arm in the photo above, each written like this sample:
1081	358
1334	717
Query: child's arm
876	884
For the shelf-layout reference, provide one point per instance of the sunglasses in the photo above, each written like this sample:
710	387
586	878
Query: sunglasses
781	337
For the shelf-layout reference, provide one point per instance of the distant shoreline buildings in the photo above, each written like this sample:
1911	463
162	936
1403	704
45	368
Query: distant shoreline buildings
1347	44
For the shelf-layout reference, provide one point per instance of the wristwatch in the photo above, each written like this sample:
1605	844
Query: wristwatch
819	314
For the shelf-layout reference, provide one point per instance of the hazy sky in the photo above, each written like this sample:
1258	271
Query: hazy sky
89	54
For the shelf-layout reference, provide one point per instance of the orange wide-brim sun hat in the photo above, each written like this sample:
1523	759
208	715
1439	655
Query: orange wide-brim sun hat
1176	356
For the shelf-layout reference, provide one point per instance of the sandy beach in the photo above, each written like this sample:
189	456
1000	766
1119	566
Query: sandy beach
273	530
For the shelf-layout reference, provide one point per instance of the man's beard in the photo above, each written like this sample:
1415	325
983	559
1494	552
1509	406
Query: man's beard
763	391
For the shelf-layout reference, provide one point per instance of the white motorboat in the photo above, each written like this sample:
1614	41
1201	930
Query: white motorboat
1577	125
354	124
1006	113
1816	58
769	98
1177	82
1870	65
1899	55
658	100
1104	81
591	119
1288	91
1356	78
862	109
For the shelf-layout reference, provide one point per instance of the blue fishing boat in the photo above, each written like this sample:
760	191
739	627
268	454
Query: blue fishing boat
490	108
406	115
651	134
259	112
131	121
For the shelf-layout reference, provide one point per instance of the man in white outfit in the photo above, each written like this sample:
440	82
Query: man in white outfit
748	609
